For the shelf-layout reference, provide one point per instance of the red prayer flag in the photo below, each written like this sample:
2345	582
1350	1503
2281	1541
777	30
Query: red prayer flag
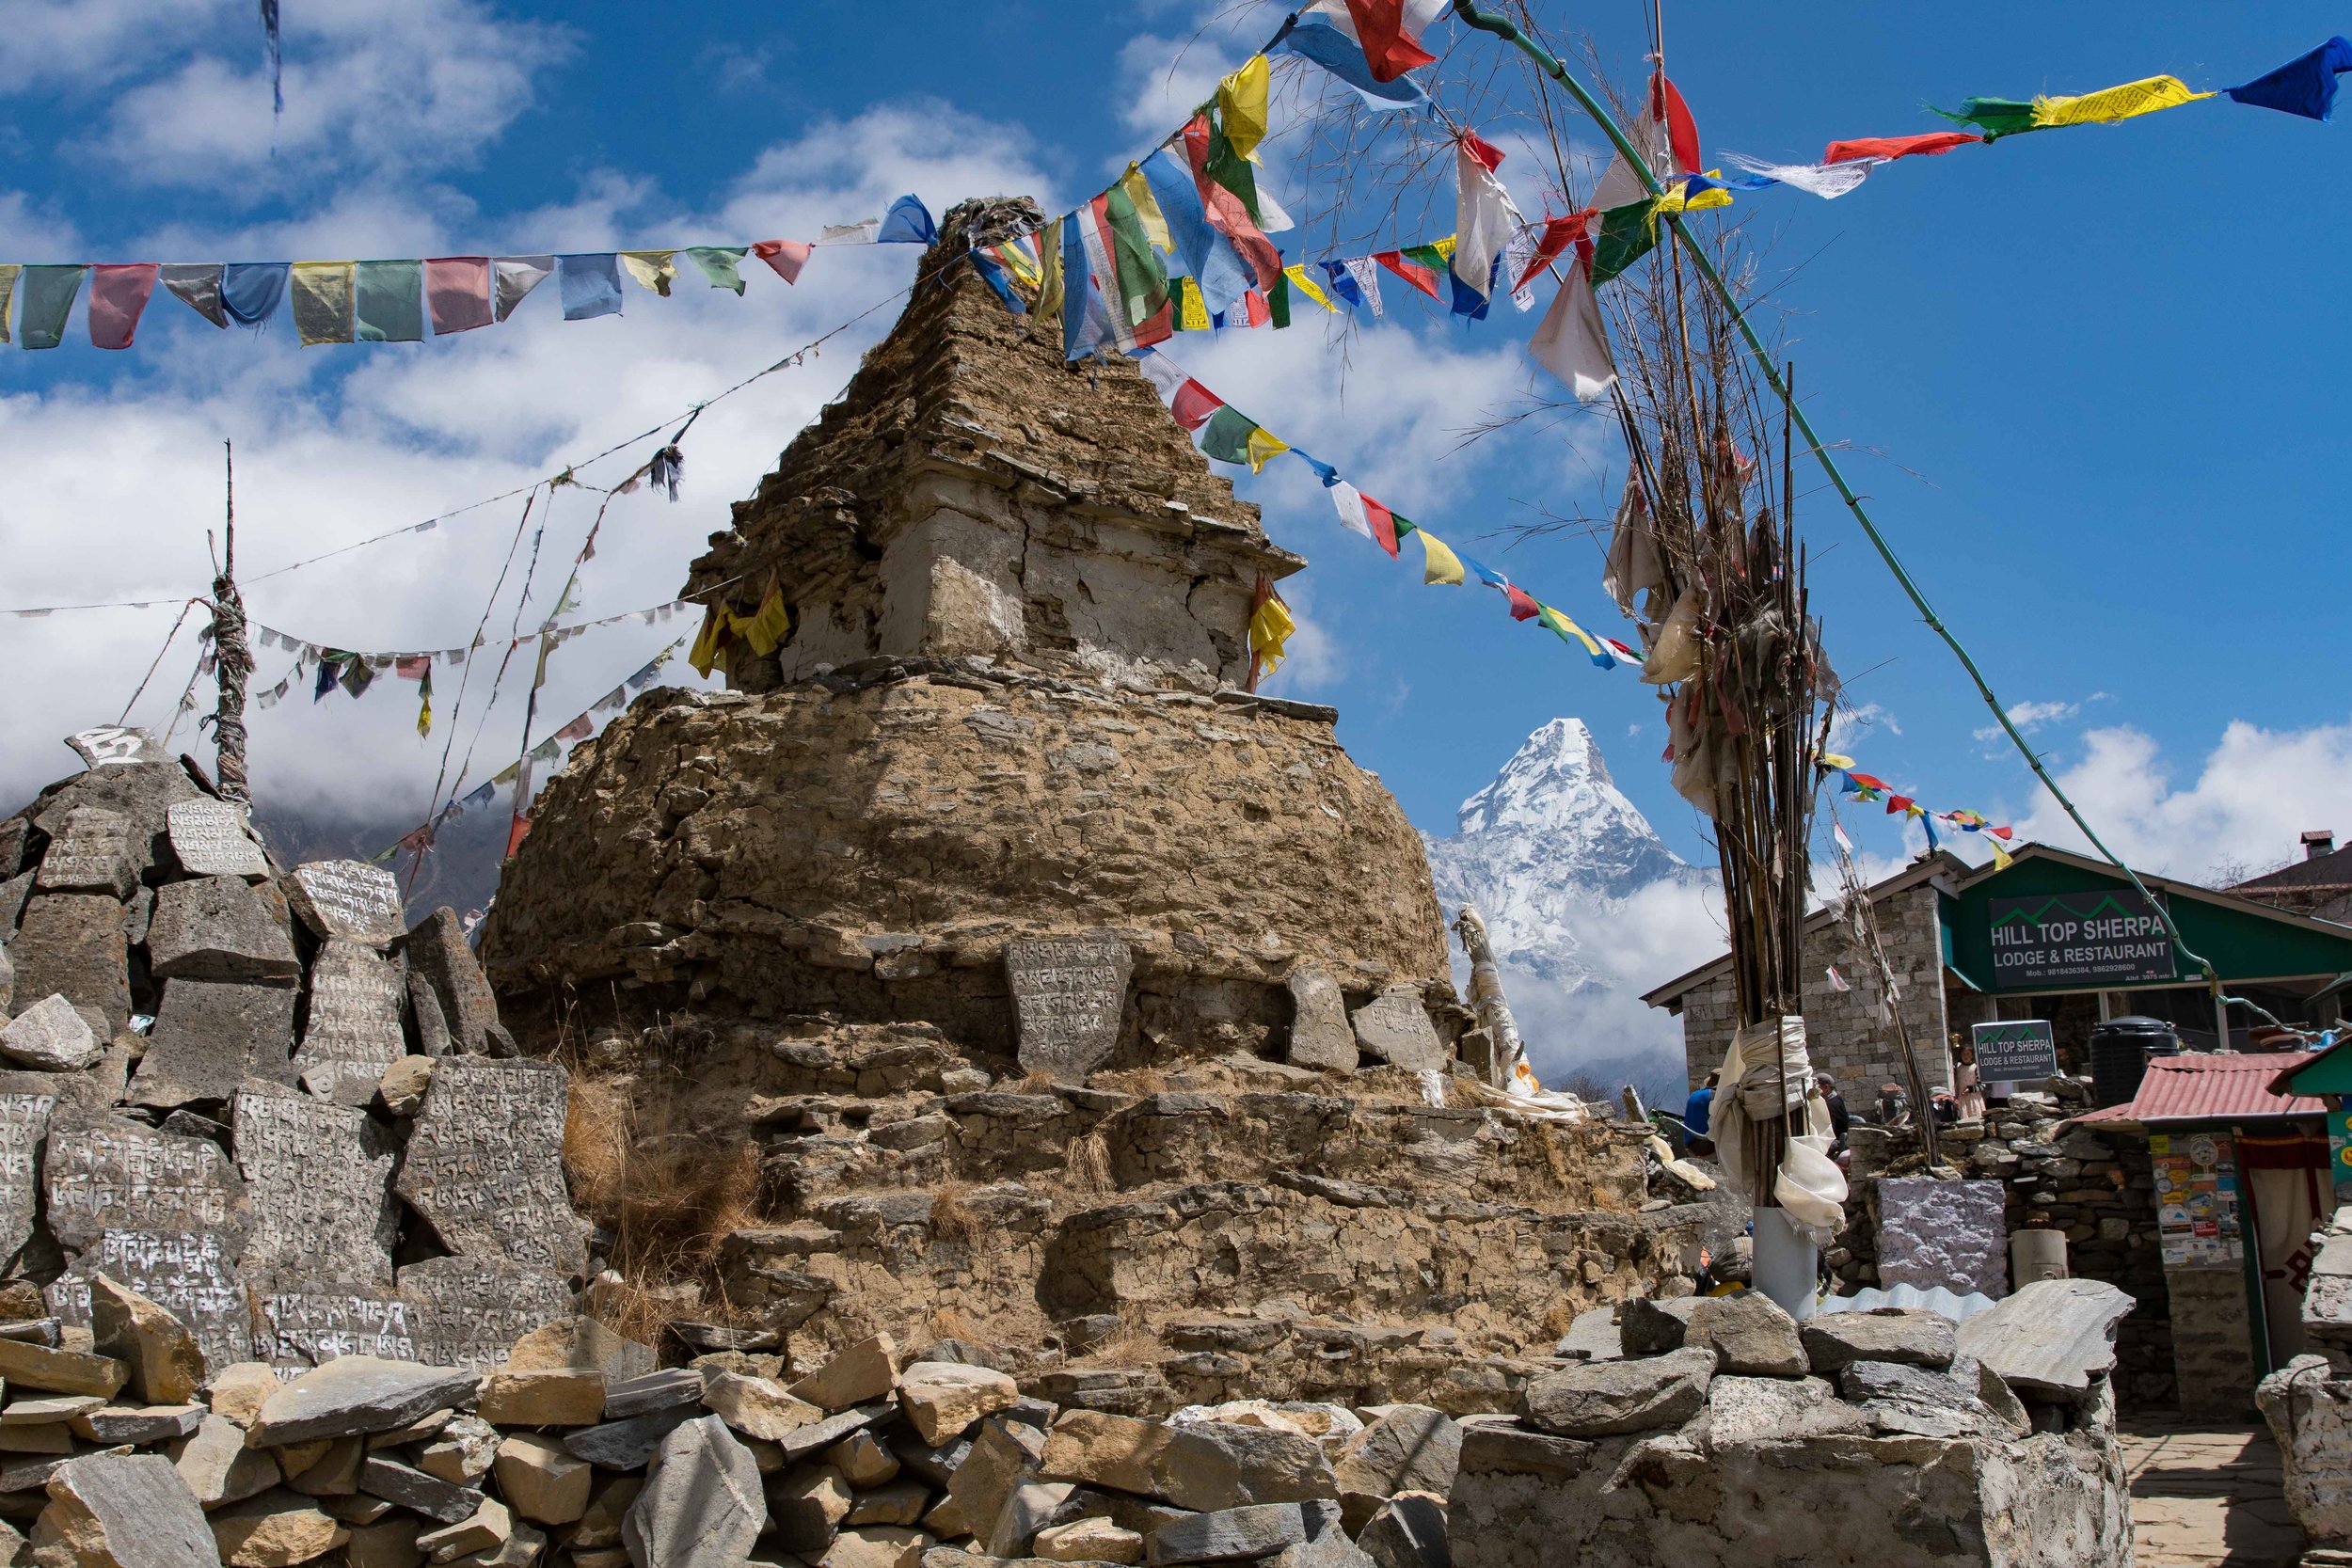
1898	804
1412	272
413	667
1389	49
457	292
1886	149
579	729
1683	131
1226	214
784	257
1489	156
1999	832
1522	607
1559	233
516	834
118	294
1255	307
1195	404
1866	781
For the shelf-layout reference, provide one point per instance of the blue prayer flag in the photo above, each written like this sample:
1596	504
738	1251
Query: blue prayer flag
1312	39
907	222
251	292
1208	255
2304	86
591	285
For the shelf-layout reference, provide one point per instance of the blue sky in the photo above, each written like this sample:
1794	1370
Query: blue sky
2086	382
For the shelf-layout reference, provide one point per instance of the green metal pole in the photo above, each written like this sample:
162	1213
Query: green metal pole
1502	27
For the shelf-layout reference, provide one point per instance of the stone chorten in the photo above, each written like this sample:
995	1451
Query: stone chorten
1006	707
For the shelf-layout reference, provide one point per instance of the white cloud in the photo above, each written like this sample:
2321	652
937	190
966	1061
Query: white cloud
2030	716
1852	722
35	234
2247	802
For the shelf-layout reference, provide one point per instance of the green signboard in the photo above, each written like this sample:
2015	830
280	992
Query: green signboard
2018	1052
2076	939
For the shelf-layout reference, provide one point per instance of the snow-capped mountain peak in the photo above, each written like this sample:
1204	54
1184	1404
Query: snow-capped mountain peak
1556	777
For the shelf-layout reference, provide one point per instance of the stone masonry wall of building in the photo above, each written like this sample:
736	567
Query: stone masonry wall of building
1843	1029
2211	1345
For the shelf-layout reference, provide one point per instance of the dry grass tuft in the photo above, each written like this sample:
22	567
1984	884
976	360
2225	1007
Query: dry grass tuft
1089	1167
669	1191
953	1223
1040	1082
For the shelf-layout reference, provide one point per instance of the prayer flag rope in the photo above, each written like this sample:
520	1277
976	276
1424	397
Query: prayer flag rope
1865	789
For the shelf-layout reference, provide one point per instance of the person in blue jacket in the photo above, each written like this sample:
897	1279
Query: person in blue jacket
1695	1113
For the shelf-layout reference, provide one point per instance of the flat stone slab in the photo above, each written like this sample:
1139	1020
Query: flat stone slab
1603	1399
1777	1409
354	1394
2051	1337
351	1023
132	1511
303	1322
1394	1027
702	1501
1833	1340
213	838
190	1274
436	950
348	901
74	943
1239	1535
116	745
1947	1233
95	853
218	928
24	1125
318	1177
484	1165
1068	996
469	1312
120	1174
1320	1034
209	1036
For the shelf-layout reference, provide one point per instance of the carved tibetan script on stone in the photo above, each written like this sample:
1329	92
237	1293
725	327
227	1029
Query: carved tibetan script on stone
208	837
24	1122
348	901
469	1312
120	1174
303	1322
483	1164
318	1177
1068	996
188	1273
351	1029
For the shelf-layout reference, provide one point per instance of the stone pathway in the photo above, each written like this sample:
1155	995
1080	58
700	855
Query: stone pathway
2204	1492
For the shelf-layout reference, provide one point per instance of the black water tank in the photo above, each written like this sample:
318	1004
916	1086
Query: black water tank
2120	1049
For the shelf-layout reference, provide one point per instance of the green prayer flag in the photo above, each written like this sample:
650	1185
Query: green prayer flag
1433	257
718	264
1628	233
388	302
1404	528
1995	117
1279	302
1143	275
49	293
1232	170
1226	437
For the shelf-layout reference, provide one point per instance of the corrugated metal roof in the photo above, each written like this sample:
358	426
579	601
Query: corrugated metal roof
2215	1086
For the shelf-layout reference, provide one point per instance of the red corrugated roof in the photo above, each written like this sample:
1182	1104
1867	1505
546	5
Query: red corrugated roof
2206	1086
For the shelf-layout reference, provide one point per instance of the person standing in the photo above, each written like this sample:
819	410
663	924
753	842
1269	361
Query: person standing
1964	1082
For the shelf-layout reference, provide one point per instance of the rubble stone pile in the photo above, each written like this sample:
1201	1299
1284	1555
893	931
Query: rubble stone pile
1705	1429
254	1098
2308	1403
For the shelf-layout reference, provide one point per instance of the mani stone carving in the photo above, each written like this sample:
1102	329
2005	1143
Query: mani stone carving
94	854
190	1274
436	950
484	1165
24	1123
209	838
117	1174
351	1029
209	1036
218	928
114	743
318	1180
348	901
1949	1234
301	1322
1394	1027
1320	1034
469	1312
1068	996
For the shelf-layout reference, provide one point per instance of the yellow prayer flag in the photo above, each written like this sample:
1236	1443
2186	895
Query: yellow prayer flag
321	300
704	653
1265	446
2110	104
655	269
1438	564
1444	247
766	630
1832	759
1241	101
424	714
1147	209
1269	628
2000	856
1047	316
1192	313
1563	626
9	272
1306	286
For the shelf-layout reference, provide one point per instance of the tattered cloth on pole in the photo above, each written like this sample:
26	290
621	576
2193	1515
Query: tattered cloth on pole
1762	1058
1572	343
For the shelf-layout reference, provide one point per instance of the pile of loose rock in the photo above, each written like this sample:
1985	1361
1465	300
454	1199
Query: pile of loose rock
1703	1428
258	1097
863	1463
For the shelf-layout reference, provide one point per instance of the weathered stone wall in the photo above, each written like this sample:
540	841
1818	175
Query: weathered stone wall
1844	1032
2213	1345
868	845
2097	1187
